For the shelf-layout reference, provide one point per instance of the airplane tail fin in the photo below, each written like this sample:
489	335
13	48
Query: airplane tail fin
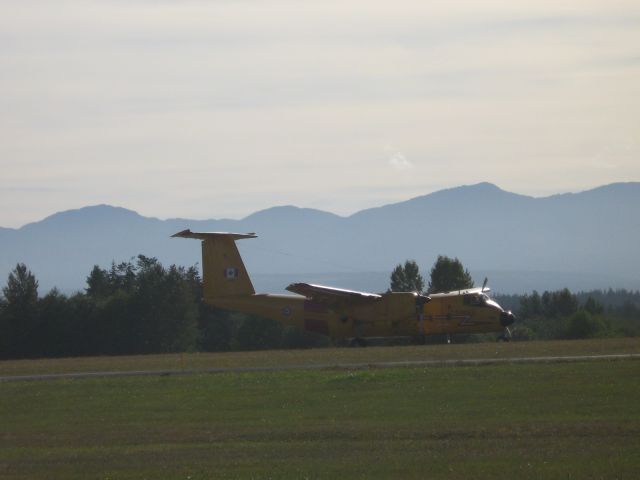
223	270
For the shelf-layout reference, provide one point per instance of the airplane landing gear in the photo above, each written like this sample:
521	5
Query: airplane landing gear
506	336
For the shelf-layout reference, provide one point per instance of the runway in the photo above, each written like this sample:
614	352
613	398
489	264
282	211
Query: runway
339	366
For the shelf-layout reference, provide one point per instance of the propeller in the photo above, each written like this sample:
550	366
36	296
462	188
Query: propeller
484	284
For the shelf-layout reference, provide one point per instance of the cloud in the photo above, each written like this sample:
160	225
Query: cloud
400	162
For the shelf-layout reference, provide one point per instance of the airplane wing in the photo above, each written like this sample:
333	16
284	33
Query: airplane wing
333	297
475	290
468	291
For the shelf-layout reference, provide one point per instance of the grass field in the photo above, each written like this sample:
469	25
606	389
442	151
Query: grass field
321	356
565	420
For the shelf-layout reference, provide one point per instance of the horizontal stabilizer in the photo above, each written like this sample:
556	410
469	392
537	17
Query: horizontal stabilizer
204	235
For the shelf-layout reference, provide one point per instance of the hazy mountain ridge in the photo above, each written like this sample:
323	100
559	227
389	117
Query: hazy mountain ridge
595	232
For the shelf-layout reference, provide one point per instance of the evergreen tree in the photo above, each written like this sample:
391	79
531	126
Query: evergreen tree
593	307
22	288
20	313
407	278
164	308
5	334
98	283
122	276
61	326
565	302
560	303
530	306
449	274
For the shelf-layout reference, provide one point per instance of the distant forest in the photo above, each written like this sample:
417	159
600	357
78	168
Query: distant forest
140	307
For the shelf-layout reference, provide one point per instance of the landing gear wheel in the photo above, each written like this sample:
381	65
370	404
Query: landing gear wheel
506	336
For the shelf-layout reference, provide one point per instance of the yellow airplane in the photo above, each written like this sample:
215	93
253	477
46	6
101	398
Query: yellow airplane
343	314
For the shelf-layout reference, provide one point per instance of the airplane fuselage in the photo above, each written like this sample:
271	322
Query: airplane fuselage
393	315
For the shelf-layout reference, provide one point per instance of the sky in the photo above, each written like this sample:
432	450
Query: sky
220	108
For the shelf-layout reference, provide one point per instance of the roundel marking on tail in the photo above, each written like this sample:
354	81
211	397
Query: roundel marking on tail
231	273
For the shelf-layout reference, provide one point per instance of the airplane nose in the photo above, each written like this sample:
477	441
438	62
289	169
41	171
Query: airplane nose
507	318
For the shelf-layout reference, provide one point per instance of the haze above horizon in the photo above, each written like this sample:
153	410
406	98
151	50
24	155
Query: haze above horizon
220	109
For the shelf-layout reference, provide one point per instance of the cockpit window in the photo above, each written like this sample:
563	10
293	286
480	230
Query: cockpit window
476	300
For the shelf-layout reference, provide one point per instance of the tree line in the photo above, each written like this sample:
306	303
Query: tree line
562	314
134	307
140	307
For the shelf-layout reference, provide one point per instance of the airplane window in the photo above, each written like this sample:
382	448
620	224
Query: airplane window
475	300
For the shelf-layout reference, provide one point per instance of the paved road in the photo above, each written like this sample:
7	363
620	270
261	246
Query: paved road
340	366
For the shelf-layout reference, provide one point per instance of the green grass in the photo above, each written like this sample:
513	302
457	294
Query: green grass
321	356
576	420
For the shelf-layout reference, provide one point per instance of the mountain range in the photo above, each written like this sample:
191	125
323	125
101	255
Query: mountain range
580	240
